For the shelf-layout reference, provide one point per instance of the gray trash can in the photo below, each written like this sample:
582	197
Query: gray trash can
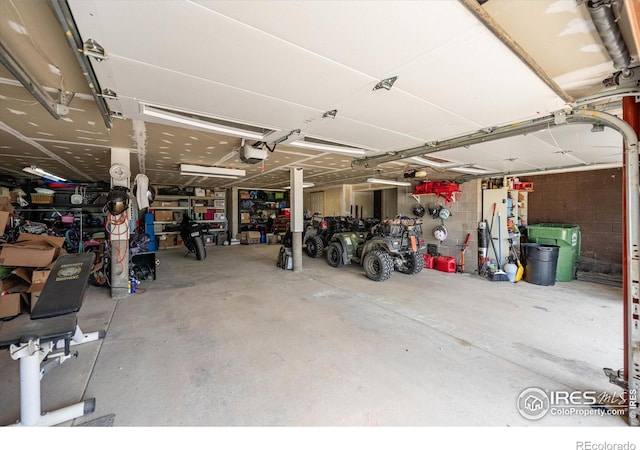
541	262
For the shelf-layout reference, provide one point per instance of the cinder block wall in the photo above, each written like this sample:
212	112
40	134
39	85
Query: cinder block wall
466	212
593	201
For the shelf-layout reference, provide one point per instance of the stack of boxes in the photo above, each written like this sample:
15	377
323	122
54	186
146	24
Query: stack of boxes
24	268
249	237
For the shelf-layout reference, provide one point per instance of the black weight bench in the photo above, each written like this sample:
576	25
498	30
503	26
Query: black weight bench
51	326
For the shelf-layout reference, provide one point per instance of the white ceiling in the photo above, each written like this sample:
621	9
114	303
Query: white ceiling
280	65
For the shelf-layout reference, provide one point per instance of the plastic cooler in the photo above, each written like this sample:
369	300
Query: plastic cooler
567	237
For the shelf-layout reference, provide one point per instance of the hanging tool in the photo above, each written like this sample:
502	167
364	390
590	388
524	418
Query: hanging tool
460	267
499	275
516	260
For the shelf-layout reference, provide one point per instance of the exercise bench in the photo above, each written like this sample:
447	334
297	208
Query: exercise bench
51	326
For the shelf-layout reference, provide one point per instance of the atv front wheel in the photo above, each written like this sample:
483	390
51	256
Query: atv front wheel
378	265
315	246
334	255
413	263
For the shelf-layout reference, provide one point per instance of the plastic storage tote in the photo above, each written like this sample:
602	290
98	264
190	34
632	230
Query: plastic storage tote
565	236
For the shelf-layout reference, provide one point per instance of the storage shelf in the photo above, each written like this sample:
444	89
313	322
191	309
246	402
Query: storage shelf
193	203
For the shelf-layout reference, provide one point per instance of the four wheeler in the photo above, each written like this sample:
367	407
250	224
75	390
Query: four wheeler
319	231
394	244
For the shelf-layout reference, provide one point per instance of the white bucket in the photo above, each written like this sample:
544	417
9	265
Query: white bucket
511	270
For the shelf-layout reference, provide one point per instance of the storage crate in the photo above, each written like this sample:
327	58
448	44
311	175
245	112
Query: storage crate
42	199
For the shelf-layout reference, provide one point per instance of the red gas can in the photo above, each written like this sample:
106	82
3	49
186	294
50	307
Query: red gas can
446	264
429	261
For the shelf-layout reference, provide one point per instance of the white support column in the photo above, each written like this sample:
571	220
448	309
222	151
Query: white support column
120	230
297	218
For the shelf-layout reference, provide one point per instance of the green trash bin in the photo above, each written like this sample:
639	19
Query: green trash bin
565	236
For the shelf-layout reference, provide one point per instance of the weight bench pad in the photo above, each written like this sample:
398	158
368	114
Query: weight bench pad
65	287
21	329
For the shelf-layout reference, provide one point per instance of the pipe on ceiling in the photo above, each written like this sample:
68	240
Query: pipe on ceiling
502	132
604	19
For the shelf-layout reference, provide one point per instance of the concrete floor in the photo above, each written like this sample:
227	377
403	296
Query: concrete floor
236	341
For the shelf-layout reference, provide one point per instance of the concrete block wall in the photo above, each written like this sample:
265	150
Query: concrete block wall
593	201
466	212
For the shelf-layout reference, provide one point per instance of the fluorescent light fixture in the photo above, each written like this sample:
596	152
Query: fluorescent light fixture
213	172
207	175
469	170
304	185
430	163
33	170
199	124
391	182
328	148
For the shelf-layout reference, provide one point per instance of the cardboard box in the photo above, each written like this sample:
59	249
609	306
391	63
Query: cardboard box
250	237
31	250
11	304
34	299
4	219
245	217
17	281
168	204
6	209
161	215
200	209
38	279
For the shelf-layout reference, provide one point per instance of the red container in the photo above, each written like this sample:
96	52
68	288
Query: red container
446	264
429	261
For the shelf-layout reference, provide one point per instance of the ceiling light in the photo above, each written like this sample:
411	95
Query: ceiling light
391	182
33	170
304	185
469	170
387	83
328	148
213	172
147	110
430	163
207	175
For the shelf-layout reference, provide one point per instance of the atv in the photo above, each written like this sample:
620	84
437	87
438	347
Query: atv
319	231
394	244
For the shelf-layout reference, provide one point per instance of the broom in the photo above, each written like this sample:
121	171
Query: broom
499	275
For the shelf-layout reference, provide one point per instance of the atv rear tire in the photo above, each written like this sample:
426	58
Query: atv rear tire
413	263
315	246
334	255
378	265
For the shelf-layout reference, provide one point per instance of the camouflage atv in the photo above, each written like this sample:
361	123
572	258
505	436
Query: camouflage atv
319	231
395	244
